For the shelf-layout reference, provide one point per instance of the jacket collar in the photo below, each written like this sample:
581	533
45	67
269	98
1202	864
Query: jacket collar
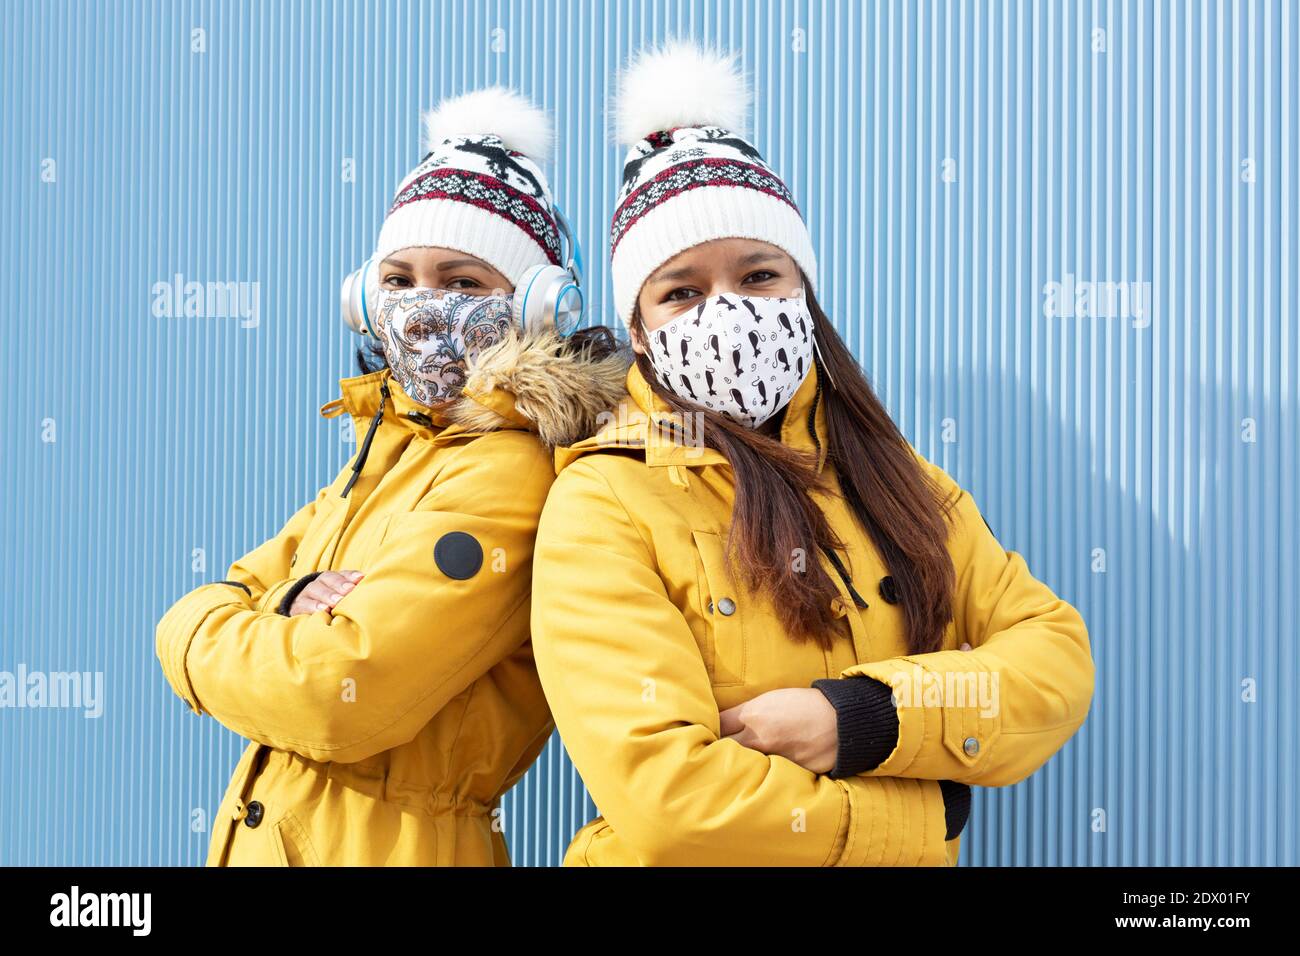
529	381
359	396
804	424
643	420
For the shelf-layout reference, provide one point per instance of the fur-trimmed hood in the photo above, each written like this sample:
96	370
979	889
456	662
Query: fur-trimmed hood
542	381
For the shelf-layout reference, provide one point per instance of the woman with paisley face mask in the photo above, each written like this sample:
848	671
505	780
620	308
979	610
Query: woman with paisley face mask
747	581
375	653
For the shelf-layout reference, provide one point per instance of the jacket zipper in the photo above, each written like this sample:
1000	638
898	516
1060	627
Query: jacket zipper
858	599
812	412
364	453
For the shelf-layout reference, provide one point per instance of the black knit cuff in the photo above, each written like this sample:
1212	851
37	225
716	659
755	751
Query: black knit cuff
956	806
867	722
295	589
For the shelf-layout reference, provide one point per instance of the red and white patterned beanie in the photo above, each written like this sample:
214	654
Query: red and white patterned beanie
480	188
690	176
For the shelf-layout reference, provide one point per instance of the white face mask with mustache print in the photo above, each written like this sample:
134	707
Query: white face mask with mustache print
742	356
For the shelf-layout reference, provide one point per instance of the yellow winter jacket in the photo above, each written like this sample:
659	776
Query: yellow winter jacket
641	638
386	731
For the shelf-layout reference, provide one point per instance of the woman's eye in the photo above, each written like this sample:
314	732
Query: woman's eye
397	282
464	282
762	275
679	295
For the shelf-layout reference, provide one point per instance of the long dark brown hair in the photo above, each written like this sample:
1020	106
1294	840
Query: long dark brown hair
774	517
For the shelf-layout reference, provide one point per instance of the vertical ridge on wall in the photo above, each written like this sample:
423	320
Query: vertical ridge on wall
960	167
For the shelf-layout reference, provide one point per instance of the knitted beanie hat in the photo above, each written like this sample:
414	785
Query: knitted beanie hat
479	188
690	176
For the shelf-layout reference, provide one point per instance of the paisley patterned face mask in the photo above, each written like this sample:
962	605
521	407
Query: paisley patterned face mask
431	336
741	355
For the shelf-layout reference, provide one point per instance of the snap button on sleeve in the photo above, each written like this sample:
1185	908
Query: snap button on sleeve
727	606
971	746
458	555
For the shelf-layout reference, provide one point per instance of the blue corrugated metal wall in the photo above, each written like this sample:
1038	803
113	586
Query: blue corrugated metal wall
966	168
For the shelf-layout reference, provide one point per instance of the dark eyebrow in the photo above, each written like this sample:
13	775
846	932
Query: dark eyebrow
681	272
449	264
462	263
684	272
762	255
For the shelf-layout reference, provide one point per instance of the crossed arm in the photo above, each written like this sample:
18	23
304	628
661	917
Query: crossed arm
366	675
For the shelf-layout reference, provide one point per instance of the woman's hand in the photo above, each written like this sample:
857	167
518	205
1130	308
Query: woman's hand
797	723
324	592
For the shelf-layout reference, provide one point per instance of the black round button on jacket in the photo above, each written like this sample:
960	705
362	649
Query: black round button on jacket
889	590
458	555
255	811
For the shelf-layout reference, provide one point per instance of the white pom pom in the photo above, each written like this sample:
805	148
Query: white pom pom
680	84
497	110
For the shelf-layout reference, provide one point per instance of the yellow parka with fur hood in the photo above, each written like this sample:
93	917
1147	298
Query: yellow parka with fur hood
385	731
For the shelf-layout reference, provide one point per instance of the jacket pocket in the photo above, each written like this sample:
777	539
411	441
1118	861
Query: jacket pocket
362	552
292	845
317	539
721	608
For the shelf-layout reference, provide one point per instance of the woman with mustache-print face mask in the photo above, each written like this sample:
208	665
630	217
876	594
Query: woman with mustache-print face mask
375	652
748	582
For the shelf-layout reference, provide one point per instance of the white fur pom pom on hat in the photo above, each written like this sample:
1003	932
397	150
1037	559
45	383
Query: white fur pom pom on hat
496	111
680	84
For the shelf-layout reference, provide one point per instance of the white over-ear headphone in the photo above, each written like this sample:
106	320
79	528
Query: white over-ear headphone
546	296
